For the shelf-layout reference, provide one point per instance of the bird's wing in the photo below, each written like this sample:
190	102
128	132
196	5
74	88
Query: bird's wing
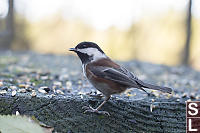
123	76
120	75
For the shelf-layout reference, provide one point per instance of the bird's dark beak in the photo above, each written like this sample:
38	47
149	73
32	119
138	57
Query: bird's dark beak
72	49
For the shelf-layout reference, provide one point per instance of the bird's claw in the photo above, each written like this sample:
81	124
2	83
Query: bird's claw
92	110
87	107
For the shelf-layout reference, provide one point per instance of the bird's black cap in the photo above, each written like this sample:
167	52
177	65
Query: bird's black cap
83	45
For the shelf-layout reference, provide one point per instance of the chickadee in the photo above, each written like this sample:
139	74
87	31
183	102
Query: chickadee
107	76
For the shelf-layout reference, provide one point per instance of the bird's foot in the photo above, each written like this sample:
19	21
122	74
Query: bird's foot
92	110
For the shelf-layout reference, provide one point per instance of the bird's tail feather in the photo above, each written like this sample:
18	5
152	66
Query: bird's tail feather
155	87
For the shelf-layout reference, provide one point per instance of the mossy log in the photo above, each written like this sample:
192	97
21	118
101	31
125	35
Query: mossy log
65	113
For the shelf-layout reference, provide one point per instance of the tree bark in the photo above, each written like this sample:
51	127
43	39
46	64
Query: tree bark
7	36
64	113
186	51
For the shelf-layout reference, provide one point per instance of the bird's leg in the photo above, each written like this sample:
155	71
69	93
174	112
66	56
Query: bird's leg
90	109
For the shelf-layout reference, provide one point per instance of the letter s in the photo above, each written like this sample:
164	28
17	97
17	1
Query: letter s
193	108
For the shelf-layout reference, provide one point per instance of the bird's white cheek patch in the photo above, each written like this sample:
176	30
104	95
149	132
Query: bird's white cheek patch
95	53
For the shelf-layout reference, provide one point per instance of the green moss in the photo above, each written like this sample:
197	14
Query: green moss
2	66
5	107
37	82
101	116
5	60
6	75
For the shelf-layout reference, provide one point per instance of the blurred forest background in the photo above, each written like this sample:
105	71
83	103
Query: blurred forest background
164	32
